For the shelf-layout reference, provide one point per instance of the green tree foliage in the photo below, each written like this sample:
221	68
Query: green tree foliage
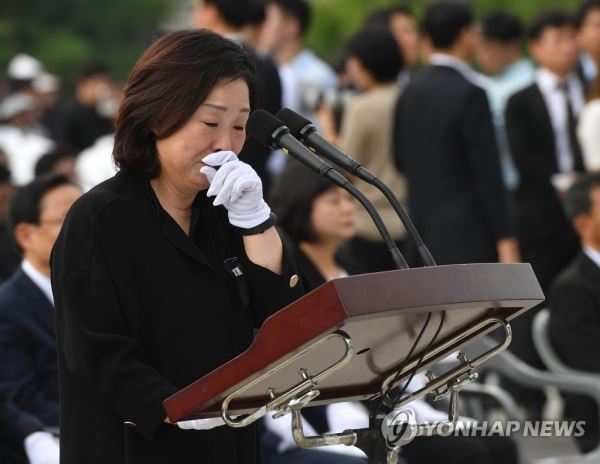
65	34
334	21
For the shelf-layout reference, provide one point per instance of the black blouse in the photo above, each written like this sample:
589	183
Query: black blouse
142	310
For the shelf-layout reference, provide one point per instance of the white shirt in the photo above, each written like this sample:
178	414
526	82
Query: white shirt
593	254
42	281
588	131
95	164
548	83
23	149
442	59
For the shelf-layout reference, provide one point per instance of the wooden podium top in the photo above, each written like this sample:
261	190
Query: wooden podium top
382	313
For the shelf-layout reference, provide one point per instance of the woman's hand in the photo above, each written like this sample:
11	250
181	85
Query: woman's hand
236	186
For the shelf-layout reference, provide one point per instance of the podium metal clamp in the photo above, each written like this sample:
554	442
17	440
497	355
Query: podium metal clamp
297	396
456	378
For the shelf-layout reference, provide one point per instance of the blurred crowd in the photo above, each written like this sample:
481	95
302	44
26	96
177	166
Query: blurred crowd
486	129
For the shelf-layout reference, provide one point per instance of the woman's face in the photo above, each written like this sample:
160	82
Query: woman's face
217	124
332	215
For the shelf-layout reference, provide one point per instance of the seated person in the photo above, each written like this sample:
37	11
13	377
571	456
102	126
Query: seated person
29	373
317	217
575	302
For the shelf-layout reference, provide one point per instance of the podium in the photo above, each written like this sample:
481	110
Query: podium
346	340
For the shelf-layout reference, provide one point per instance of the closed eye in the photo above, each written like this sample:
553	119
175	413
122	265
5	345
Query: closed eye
239	128
211	124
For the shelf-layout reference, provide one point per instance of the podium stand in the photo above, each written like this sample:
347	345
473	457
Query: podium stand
345	341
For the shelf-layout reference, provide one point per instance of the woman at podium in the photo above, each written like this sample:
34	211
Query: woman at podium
161	273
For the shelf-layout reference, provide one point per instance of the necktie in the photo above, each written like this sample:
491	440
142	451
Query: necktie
571	126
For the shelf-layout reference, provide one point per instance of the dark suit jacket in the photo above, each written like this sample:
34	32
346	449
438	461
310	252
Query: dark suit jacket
29	373
575	333
531	139
446	147
269	98
575	314
142	310
15	426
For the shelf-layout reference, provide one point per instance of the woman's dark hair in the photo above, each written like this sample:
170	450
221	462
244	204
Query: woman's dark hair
378	52
167	84
292	199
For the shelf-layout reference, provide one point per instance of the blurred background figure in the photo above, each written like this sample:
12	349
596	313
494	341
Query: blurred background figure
500	57
456	195
9	257
234	19
95	164
20	135
373	61
57	161
27	337
540	122
23	439
305	77
587	22
22	71
90	113
587	129
400	21
575	303
47	93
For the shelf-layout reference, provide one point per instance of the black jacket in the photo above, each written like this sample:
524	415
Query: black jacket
142	310
15	426
575	334
531	139
446	147
29	376
575	314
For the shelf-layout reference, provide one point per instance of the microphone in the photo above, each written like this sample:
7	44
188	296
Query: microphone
306	132
272	132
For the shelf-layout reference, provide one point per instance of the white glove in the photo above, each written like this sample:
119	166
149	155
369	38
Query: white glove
42	448
201	424
236	186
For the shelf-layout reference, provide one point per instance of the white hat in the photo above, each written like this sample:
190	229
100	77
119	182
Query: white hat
46	83
16	103
24	67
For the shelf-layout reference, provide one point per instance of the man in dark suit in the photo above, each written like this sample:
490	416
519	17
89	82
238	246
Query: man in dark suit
575	302
540	121
540	125
28	376
233	19
446	147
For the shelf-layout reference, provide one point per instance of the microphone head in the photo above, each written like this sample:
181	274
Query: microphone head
265	127
296	123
